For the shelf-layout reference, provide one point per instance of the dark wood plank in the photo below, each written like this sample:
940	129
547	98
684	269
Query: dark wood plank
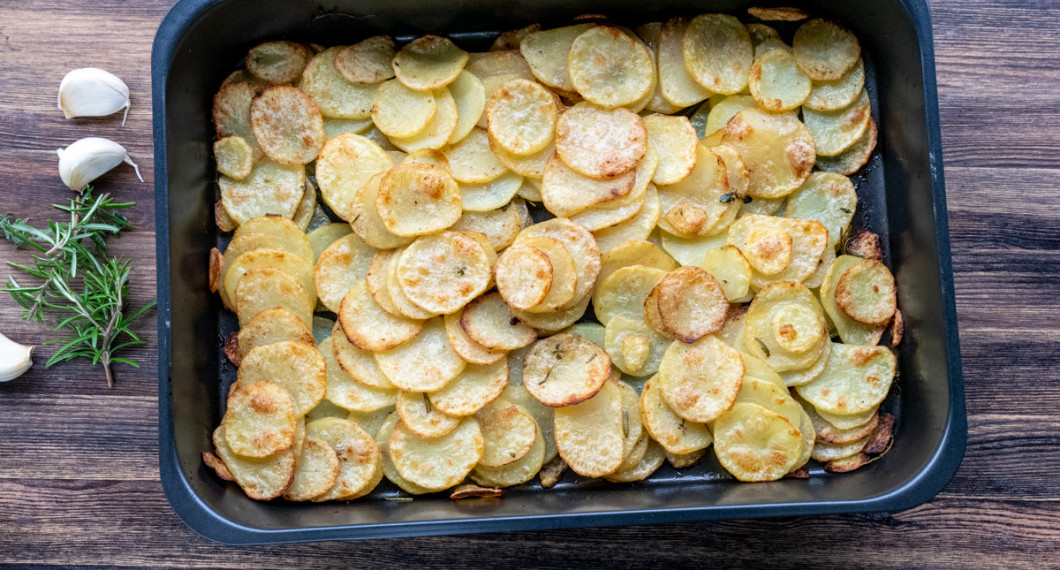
78	461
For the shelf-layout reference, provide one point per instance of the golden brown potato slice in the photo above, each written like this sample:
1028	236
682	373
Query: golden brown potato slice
685	460
600	143
464	492
566	192
562	276
443	272
624	292
717	51
360	461
286	232
468	350
779	249
703	202
691	303
824	49
287	124
237	247
472	389
515	473
546	52
424	363
610	68
260	420
261	479
440	462
508	433
855	381
552	472
346	391
367	61
399	111
828	433
358	363
755	444
234	157
419	415
439	130
724	110
589	433
345	164
341	266
418	199
866	293
396	292
231	112
316	472
269	189
543	415
777	14
382	440
777	83
639	227
271	326
298	368
521	116
582	247
369	327
293	265
277	62
565	369
471	160
825	452
336	97
215	463
429	62
777	148
850	331
675	83
265	287
800	376
700	381
366	221
489	322
786	327
835	131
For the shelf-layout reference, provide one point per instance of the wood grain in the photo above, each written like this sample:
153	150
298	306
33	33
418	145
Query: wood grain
78	462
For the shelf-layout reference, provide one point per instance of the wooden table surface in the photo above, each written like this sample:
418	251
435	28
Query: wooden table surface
79	481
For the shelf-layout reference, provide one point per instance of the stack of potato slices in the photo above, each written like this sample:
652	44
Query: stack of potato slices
419	234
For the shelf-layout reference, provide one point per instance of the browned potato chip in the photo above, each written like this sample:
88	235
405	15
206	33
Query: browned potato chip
436	463
336	97
702	203
261	479
360	460
419	415
316	472
298	368
610	68
260	420
508	433
521	116
293	265
424	363
367	61
287	124
565	369
718	52
468	350
264	287
582	247
552	472
553	321
382	440
231	112
341	266
700	381
277	62
499	226
418	199
684	460
396	292
897	328
359	364
368	326
691	303
516	472
237	247
471	160
441	273
639	227
222	219
215	463
824	49
589	433
851	331
866	293
366	221
779	249
474	492
562	277
472	389
234	157
289	235
488	321
271	326
429	62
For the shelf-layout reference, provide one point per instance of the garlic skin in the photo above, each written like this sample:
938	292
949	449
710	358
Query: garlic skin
15	359
90	158
93	92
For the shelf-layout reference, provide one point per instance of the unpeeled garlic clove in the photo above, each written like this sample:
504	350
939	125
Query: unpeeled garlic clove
90	158
15	359
92	92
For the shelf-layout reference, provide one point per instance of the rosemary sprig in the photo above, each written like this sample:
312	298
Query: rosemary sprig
78	281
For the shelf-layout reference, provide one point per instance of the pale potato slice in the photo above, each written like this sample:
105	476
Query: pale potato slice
237	247
855	381
296	367
553	321
437	133
700	381
779	249
287	125
521	116
469	94
396	292
634	442
322	237
260	420
360	461
722	112
675	83
850	331
702	203
758	369
690	251
565	369
565	192
777	148
610	68
429	62
828	433
866	293
359	364
684	460
674	433
590	330
634	347
365	219
336	97
369	327
382	440
418	199
378	288
839	93
261	479
231	112
286	232
634	252
675	140
441	273
488	322
472	389
497	63
419	415
651	34
777	83
543	415
346	163
500	226
691	303
424	363
546	53
316	472
513	39
440	462
639	227
599	142
270	326
834	451
854	157
293	265
765	39
609	214
786	327
849	421
471	160
277	62
270	189
582	247
802	376
835	131
589	433
828	198
264	287
562	276
731	269
341	266
755	444
426	156
234	157
771	397
718	52
335	127
515	473
825	50
399	111
367	61
468	350
624	292
530	166
653	458
508	433
492	195
370	422
346	391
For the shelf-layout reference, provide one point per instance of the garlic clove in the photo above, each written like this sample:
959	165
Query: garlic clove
89	158
92	92
15	359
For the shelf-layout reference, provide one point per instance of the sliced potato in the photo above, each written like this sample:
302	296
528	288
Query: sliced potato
293	265
261	479
316	472
269	189
469	95
376	280
828	433
369	327
360	461
731	269
277	62
471	160
589	434
676	434
260	420
290	237
419	415
777	148
866	293
634	347
700	381
346	163
849	421
675	140
828	198
365	219
399	111
341	266
851	331
553	321
515	473
429	62
624	292
546	53
722	112
562	276
270	326
508	433
691	303
500	226
486	196
296	367
685	460
396	292
346	391
676	84
755	444
609	214
543	415
839	93
582	247
802	376
835	131
824	49
779	249
336	97
234	157
521	116
418	199
531	165
497	63
600	143
717	51
370	422
468	350
231	112
437	132
777	14
237	247
855	381
382	440
565	192
440	462
513	39
854	157
634	252
610	68
367	61
786	327
443	272
488	321
702	203
424	363
287	125
264	287
472	389
565	369
335	127
637	228
777	83
322	237
358	363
